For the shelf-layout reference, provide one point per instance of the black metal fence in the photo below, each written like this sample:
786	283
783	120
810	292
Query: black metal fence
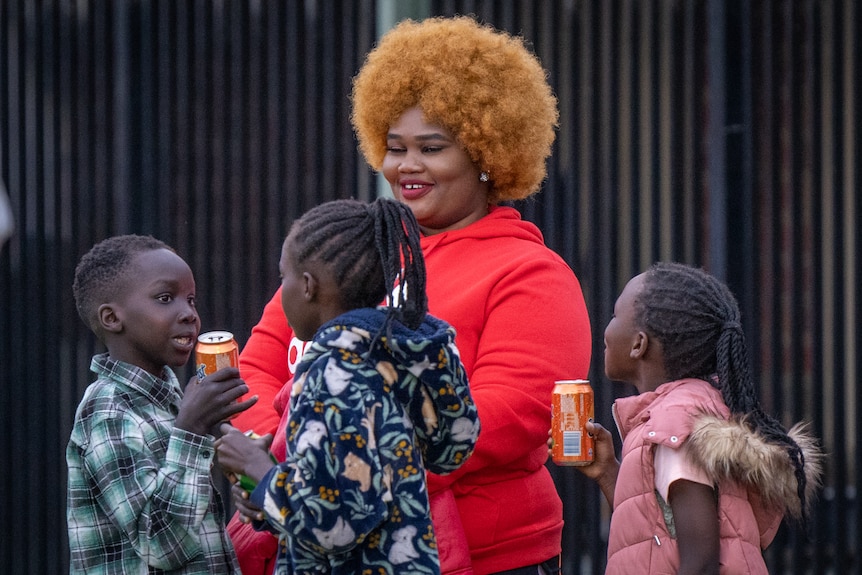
719	133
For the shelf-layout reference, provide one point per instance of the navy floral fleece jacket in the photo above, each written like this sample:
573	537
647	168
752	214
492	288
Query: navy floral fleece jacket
372	408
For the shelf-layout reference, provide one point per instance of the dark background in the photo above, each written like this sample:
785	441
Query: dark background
718	133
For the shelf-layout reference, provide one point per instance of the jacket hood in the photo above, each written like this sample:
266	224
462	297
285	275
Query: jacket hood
728	449
501	222
360	329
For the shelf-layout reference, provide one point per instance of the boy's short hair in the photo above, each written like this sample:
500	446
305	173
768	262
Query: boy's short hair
101	271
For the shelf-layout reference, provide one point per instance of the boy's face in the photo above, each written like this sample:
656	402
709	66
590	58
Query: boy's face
156	311
295	299
621	334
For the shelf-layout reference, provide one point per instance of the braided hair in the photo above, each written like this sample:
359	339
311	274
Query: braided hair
373	252
696	319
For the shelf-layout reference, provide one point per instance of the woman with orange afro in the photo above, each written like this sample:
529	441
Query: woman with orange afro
459	117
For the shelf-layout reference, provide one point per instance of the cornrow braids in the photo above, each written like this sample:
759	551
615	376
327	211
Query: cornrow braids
373	251
100	272
696	319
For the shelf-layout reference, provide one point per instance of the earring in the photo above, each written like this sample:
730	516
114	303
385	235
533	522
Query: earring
484	177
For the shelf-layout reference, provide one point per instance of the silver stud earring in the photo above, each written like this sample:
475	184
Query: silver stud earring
484	177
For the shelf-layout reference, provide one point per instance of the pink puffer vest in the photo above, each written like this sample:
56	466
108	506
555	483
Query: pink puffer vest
639	539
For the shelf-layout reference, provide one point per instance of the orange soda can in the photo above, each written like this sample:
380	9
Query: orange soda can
571	408
215	350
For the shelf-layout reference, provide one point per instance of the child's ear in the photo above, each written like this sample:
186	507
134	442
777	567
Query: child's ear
311	286
640	345
108	318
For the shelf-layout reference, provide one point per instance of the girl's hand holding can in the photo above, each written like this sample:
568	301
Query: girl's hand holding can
605	466
241	455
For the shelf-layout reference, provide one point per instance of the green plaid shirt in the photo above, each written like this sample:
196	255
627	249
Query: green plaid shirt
141	499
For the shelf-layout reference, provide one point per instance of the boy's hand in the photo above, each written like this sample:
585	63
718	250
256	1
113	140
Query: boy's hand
239	454
212	400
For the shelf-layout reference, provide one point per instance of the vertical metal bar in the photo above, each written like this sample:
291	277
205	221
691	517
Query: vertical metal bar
116	154
164	58
740	204
32	229
11	548
686	129
666	118
144	122
645	233
625	158
852	27
716	137
822	428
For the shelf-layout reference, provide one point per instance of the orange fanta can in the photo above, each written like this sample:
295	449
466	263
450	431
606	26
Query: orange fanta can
571	408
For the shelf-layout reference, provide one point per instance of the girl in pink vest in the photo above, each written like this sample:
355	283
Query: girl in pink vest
705	475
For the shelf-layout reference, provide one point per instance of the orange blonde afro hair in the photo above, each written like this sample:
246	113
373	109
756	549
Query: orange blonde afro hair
481	84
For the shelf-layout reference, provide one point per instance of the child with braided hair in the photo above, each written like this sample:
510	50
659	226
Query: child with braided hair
379	396
706	475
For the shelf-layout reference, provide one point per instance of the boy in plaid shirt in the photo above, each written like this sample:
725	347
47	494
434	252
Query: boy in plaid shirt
140	496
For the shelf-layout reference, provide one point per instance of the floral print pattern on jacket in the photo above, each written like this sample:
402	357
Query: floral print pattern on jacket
372	408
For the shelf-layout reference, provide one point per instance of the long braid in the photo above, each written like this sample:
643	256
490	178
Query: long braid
696	319
733	366
397	236
372	249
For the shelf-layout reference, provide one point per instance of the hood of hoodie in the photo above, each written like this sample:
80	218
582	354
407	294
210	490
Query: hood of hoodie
361	329
501	222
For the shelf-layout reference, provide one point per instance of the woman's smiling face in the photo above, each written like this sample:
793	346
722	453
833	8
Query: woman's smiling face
433	175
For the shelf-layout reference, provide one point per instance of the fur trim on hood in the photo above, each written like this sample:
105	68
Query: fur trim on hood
730	450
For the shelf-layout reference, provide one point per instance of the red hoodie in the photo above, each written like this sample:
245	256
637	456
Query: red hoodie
521	324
